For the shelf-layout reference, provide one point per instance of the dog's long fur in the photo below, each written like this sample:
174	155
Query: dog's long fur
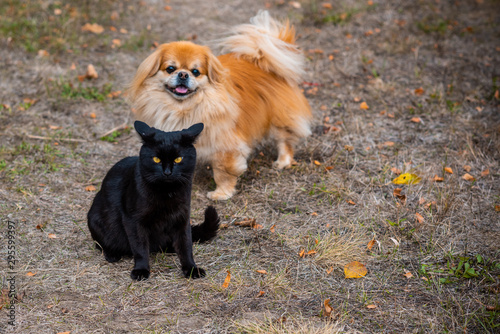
243	96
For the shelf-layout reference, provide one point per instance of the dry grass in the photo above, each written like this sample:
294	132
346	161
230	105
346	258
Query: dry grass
334	201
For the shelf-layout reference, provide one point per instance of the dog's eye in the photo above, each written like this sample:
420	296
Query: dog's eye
195	72
170	69
177	160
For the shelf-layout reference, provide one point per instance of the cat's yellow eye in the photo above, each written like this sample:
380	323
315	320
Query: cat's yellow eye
177	160
156	159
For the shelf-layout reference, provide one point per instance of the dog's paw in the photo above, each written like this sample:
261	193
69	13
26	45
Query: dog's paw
140	274
284	163
194	272
218	195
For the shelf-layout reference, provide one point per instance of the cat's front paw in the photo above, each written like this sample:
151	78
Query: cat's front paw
140	274
194	272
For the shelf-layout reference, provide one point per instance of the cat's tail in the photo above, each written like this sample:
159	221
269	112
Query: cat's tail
208	229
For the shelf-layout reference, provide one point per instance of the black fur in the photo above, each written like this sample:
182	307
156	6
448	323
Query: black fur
144	206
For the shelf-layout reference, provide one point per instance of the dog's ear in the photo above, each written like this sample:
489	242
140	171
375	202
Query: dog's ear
216	72
147	69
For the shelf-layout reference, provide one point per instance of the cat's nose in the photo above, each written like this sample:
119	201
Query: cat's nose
167	171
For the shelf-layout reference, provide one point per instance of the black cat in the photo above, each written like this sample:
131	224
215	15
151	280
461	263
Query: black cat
144	203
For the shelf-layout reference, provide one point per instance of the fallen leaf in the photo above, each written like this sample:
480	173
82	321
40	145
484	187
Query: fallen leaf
420	218
43	53
497	208
350	202
167	8
272	228
116	42
468	177
55	127
448	170
114	15
123	31
223	226
364	106
407	178
114	95
57	11
328	307
295	4
311	252
355	269
397	193
302	252
260	294
329	271
30	274
348	148
263	272
226	280
467	168
485	172
396	170
419	91
416	120
257	226
93	28
317	163
92	115
389	143
246	223
408	275
437	178
91	72
90	188
52	236
68	332
327	5
371	306
371	243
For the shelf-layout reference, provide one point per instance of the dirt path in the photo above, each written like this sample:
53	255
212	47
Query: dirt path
429	73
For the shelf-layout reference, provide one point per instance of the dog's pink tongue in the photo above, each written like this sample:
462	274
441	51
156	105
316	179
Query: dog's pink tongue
181	89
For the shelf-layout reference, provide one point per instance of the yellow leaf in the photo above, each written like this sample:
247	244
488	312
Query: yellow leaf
302	252
355	269
90	188
407	178
317	163
364	105
227	280
448	170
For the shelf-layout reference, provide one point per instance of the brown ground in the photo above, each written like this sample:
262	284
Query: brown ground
434	60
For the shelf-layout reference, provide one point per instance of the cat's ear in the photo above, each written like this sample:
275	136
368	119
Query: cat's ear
144	130
192	132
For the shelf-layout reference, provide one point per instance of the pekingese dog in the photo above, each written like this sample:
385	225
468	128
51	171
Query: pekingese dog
242	97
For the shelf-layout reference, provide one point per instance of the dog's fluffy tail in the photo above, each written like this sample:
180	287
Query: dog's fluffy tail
269	44
208	229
